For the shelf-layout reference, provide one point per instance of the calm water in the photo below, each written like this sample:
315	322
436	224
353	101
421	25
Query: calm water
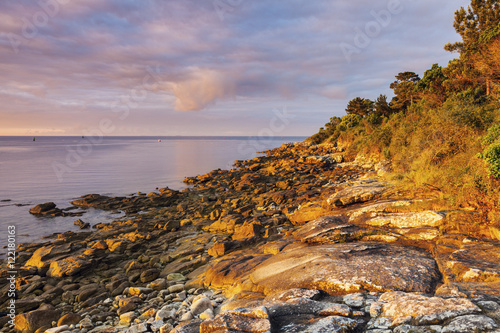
60	169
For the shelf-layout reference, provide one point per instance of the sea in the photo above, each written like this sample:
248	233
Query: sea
57	169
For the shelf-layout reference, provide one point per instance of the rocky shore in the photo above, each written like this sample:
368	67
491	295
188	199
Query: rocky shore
304	239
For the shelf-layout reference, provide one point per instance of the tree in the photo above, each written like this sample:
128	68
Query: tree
404	90
479	27
382	107
471	23
360	106
432	85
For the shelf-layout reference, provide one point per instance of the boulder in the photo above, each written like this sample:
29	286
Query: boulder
328	229
236	321
348	268
399	307
48	208
470	324
408	220
43	256
69	319
331	324
67	267
355	194
149	275
29	322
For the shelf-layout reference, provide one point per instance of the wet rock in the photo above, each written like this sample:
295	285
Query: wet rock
48	208
81	224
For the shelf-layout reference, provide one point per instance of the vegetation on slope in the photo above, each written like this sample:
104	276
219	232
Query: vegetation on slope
442	129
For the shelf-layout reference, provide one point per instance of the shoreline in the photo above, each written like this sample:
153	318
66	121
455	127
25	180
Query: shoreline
234	233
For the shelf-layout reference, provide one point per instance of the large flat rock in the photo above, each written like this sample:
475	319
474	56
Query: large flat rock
348	268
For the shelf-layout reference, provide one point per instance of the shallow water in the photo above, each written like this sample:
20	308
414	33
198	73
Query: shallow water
60	169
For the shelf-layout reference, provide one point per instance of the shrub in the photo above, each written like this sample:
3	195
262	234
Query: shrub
492	157
349	121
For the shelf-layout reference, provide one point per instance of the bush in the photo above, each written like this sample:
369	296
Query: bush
349	121
492	157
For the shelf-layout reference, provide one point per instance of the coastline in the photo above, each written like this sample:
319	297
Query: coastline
244	238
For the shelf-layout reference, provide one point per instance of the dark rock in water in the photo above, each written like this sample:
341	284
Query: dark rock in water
81	224
48	208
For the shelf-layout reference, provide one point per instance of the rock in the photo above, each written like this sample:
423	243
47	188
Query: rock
81	224
237	322
399	307
348	268
69	319
470	324
355	194
165	314
166	328
336	310
48	208
176	288
29	322
138	328
186	316
158	284
188	327
356	300
43	256
408	220
176	277
127	317
149	275
67	267
57	329
294	293
137	291
201	305
207	314
328	229
332	324
246	230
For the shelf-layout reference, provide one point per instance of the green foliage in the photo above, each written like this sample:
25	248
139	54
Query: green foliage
491	156
349	121
405	90
492	135
359	106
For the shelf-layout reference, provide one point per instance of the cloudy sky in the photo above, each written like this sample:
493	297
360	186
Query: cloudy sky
206	67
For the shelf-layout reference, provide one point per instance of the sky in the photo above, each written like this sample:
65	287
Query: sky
207	67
